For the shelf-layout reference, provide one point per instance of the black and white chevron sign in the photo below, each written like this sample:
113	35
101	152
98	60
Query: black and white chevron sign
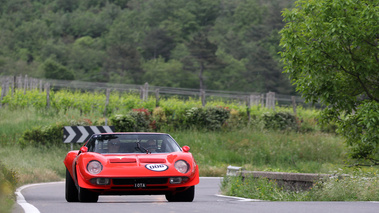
80	134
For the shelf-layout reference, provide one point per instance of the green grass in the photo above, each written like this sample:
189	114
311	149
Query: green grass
358	186
8	182
251	147
267	150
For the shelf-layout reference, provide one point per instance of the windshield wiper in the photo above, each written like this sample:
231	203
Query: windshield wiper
141	148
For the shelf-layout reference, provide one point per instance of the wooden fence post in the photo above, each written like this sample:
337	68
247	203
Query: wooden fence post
144	92
270	100
25	83
40	86
14	85
47	89
106	102
141	93
202	96
3	86
157	98
248	106
294	105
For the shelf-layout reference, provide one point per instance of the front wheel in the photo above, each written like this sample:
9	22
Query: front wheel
87	196
71	191
186	196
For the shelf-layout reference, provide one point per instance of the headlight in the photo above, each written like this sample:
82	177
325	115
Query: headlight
181	166
94	167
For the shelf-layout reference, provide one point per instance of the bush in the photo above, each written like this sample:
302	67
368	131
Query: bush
45	136
137	120
280	121
216	117
236	119
123	123
195	117
211	118
159	119
51	135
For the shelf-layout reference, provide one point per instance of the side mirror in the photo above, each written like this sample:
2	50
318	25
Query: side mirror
186	148
83	149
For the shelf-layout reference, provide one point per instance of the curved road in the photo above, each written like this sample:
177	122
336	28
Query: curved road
47	198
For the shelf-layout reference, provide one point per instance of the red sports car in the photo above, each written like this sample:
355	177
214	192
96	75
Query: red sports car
131	164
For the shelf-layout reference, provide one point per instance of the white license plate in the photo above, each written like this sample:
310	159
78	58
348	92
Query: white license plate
140	185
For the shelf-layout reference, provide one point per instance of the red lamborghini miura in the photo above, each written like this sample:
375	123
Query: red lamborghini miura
131	164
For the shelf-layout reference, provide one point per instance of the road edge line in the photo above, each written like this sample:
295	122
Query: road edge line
27	207
241	199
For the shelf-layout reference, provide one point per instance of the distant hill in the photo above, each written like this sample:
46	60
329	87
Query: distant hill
206	44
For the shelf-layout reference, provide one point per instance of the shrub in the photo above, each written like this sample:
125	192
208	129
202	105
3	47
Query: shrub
195	117
143	119
137	120
49	135
211	118
216	117
280	121
159	118
46	136
236	119
123	123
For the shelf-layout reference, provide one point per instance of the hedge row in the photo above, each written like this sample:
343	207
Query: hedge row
142	120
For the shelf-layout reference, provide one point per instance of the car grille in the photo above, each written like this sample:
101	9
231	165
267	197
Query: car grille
132	181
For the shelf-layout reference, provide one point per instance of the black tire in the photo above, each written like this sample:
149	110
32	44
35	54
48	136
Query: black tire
186	196
71	191
87	196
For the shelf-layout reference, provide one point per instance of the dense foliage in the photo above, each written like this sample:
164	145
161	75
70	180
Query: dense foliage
332	55
212	44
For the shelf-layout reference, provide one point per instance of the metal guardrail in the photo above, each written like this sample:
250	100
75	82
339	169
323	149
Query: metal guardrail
290	181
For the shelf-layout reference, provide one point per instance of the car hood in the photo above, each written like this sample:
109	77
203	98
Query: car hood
141	158
129	165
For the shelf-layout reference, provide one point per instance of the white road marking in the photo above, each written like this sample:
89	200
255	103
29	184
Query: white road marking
241	199
28	208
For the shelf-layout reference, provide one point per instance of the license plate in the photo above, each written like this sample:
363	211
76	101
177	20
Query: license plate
140	185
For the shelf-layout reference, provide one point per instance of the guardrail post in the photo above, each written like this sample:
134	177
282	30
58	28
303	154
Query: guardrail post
234	171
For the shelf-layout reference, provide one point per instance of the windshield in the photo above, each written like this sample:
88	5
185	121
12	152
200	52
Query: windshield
132	143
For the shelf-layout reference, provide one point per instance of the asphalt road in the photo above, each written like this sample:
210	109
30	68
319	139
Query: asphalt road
49	198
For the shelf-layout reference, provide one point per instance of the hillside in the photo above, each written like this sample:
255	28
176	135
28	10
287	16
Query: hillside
206	44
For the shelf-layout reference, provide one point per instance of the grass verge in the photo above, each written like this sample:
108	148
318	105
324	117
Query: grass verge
358	186
8	181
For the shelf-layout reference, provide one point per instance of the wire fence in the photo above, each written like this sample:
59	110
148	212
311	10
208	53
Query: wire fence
269	100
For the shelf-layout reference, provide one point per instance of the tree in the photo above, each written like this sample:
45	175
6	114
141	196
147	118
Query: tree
330	51
54	70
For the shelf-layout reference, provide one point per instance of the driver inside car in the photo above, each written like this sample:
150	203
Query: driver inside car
114	146
151	146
